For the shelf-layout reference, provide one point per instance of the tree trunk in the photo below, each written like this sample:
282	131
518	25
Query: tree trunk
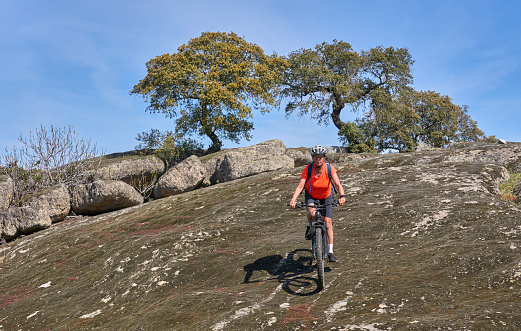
216	143
335	115
209	130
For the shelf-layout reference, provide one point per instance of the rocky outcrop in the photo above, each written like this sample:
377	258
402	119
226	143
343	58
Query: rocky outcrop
103	196
301	156
508	156
22	220
237	163
336	149
424	147
55	201
130	168
421	246
6	191
183	177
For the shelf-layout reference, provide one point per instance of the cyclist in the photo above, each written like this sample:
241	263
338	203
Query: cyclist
320	187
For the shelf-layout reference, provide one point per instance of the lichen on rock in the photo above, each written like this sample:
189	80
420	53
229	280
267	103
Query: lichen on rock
424	242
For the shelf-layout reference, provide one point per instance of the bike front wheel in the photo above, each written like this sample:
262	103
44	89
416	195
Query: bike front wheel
319	255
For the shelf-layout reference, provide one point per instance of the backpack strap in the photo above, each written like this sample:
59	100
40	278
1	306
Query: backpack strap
333	189
310	170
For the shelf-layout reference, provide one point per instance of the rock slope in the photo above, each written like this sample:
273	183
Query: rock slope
424	243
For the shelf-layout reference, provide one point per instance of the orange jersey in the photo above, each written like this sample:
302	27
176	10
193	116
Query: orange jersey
319	188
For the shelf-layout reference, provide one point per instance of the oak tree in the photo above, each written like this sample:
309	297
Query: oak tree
411	116
211	85
321	82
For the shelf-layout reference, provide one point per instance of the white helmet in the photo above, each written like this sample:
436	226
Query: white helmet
316	150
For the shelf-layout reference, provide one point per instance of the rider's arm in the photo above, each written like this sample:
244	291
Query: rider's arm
299	189
339	188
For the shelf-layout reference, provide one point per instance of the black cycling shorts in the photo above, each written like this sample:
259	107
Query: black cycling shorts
309	200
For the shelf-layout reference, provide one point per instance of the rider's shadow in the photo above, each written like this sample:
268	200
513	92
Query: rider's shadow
289	271
269	264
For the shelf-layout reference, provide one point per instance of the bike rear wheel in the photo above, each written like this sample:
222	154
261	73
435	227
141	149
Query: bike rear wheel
319	255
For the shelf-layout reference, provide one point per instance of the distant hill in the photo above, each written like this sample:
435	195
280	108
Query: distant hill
424	243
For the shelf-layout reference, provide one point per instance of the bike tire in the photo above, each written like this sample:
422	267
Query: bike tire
319	255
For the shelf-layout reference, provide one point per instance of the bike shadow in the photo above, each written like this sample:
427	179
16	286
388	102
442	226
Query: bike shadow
290	271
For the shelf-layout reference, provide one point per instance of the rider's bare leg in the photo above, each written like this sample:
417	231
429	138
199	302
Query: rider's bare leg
311	214
329	229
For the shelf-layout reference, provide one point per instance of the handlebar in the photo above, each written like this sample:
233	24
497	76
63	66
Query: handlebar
317	205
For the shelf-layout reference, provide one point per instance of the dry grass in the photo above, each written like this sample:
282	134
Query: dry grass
508	187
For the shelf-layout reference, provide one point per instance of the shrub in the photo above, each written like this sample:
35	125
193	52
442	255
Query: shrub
48	158
507	189
167	147
356	138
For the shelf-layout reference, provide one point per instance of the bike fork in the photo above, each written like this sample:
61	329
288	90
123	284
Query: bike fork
324	241
325	249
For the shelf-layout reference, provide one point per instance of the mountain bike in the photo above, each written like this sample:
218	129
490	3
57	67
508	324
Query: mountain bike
319	238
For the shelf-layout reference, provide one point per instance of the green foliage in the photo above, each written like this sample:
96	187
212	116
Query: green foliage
402	121
166	147
189	147
507	189
321	82
211	85
356	139
152	139
489	139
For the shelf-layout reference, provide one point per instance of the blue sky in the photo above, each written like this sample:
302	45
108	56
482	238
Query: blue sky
74	62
